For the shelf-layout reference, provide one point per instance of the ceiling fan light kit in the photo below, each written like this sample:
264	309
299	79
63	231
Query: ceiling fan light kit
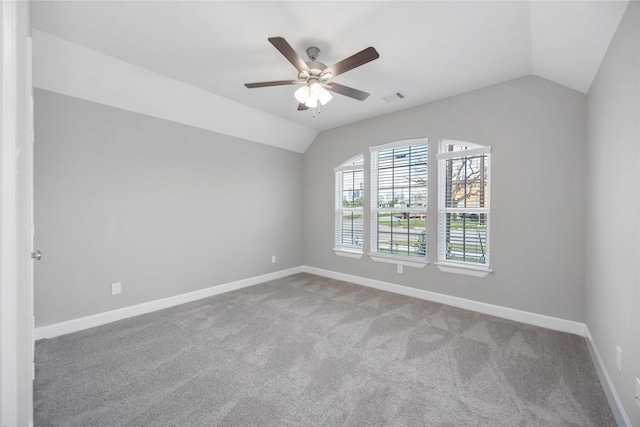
315	75
312	93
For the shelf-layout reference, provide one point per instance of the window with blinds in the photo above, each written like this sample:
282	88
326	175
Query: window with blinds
349	194
399	201
463	204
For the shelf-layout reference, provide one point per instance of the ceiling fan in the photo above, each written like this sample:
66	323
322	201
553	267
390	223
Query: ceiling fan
314	75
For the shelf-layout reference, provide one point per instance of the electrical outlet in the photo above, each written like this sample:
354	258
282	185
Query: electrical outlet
619	358
273	259
399	268
638	391
116	288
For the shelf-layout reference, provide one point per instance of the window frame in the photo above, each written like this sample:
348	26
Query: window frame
455	266
354	164
375	209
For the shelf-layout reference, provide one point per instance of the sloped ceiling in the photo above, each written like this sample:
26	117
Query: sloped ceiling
428	50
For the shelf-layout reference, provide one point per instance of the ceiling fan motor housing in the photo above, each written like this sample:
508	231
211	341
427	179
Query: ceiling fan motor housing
315	67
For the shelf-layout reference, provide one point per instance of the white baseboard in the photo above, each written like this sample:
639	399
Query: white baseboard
50	331
541	320
622	419
57	329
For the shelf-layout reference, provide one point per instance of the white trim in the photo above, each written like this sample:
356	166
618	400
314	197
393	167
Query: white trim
348	253
404	143
443	263
534	319
354	210
467	210
346	168
463	153
390	259
410	209
357	167
466	270
57	329
375	209
622	419
449	141
340	210
8	214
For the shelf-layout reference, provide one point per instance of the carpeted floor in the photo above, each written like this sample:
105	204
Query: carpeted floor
311	351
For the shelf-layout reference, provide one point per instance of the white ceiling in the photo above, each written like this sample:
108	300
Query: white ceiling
428	49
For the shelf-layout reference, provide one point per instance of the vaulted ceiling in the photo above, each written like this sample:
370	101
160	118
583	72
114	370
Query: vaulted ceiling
428	50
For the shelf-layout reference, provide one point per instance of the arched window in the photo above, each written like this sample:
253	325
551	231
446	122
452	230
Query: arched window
349	196
463	207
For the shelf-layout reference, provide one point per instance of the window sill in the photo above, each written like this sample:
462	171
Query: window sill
398	260
466	270
348	253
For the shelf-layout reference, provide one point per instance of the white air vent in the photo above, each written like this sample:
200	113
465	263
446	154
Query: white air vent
394	97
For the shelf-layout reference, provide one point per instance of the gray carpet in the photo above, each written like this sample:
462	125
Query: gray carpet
310	351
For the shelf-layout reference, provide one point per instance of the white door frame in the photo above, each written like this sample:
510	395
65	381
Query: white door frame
16	216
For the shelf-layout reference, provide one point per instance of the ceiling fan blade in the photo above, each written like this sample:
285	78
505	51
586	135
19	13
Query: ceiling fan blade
347	91
302	107
275	83
288	52
360	58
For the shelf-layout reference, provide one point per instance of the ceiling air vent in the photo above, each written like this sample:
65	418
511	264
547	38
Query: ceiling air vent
394	97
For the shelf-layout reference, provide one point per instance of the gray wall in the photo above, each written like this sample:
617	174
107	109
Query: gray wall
613	213
162	207
538	131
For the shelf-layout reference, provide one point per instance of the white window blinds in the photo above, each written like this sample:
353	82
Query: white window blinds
399	199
